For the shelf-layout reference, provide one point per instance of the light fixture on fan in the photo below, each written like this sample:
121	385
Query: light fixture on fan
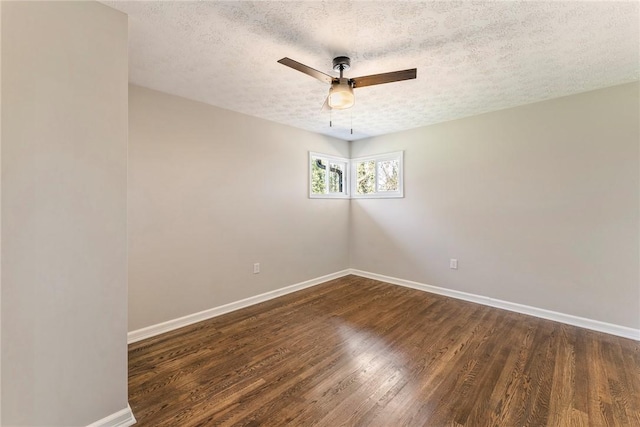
341	91
341	95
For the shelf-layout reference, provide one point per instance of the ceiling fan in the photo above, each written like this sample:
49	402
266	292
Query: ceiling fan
341	92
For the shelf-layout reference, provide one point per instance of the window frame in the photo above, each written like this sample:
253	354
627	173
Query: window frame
377	158
346	176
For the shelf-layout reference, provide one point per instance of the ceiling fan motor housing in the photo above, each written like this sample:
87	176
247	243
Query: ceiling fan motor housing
341	63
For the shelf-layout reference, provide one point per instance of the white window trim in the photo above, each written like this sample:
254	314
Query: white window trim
346	177
349	186
397	155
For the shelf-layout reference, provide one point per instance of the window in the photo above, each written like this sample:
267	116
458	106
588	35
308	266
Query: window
328	176
378	176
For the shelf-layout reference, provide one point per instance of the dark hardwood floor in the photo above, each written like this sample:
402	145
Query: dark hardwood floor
358	352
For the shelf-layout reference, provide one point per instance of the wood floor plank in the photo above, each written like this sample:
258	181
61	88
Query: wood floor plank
359	352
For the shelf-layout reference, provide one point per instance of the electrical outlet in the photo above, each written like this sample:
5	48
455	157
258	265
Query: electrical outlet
453	263
256	268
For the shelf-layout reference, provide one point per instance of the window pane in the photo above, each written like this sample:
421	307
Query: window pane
318	175
336	177
366	177
388	175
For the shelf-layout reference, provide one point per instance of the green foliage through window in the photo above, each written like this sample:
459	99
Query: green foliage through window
388	172
318	175
366	177
328	176
375	176
378	176
336	177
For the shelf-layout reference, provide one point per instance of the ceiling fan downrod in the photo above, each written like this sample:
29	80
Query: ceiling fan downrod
341	64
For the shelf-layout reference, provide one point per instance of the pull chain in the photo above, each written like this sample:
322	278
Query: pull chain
351	118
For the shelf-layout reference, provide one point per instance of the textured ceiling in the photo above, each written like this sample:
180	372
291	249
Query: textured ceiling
472	57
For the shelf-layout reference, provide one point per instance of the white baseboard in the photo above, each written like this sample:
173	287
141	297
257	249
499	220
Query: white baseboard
595	325
122	418
170	325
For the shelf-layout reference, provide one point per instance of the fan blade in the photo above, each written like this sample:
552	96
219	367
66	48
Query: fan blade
325	106
307	70
378	79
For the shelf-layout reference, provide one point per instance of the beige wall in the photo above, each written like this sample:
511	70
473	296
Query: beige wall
539	204
64	153
210	193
